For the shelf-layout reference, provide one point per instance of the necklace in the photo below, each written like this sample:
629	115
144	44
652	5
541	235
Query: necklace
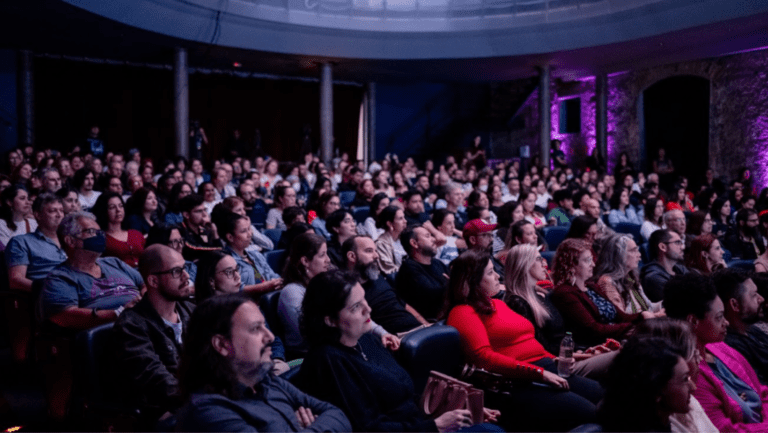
359	349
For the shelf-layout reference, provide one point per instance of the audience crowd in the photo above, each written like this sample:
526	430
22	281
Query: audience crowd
661	285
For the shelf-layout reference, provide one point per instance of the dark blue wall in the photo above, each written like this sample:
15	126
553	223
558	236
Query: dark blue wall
428	119
8	111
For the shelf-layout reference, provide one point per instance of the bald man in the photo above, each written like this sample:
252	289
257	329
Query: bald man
148	336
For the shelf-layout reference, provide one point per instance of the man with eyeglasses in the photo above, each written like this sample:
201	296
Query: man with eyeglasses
148	336
674	219
666	249
87	290
746	243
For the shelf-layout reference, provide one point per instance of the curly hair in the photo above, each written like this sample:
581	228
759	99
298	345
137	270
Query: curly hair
566	259
612	262
101	208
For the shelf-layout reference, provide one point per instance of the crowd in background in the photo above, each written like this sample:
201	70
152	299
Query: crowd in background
511	254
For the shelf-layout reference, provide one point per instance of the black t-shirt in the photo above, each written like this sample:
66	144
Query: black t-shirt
387	309
417	220
754	347
423	286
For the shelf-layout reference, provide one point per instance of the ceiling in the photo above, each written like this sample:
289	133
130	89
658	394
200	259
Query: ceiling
56	28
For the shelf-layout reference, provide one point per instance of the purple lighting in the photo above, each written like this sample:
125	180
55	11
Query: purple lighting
759	138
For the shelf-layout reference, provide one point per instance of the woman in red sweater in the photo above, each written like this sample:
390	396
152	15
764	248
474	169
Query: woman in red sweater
499	340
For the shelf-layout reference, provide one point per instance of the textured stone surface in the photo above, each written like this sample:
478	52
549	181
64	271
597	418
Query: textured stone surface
738	126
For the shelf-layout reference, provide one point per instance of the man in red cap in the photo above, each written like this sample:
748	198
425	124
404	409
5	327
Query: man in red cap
674	219
479	235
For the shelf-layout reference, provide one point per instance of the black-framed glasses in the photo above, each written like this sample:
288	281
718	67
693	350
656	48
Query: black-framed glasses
174	272
229	273
677	242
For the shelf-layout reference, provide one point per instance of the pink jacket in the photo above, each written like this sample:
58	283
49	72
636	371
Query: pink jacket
724	412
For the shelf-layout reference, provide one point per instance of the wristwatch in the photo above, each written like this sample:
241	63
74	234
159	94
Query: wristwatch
93	312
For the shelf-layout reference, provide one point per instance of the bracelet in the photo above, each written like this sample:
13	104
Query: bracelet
119	310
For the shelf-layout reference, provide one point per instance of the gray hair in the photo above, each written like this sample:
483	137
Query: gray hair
48	170
452	186
612	262
668	215
70	225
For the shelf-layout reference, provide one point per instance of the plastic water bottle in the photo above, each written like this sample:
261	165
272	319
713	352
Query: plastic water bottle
566	356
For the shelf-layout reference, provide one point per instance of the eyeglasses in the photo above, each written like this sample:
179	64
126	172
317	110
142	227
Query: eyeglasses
175	243
539	259
175	272
229	273
92	232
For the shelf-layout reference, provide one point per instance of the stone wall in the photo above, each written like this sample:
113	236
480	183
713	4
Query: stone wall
738	124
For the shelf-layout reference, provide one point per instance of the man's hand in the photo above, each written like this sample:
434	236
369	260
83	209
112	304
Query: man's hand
490	415
132	302
305	416
390	342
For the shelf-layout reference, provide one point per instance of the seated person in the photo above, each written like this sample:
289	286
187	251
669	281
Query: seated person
218	276
126	245
562	215
591	317
648	382
197	230
225	376
391	252
621	210
667	252
727	386
170	236
746	242
342	226
389	310
421	281
495	338
32	256
743	309
350	369
86	290
148	336
257	276
479	237
617	278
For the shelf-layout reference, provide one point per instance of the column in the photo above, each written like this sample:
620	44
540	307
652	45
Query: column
181	102
545	113
326	113
601	115
371	123
27	96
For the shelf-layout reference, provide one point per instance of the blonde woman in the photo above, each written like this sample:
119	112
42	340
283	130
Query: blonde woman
524	268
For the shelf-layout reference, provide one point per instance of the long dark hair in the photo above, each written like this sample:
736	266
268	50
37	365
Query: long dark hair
636	379
202	368
464	284
6	211
135	204
326	295
305	245
580	227
100	208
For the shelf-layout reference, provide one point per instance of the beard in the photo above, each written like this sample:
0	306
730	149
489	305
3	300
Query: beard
370	272
428	251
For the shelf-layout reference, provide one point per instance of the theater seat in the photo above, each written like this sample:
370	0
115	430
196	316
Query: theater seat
94	363
268	306
275	259
437	347
346	198
554	236
747	265
273	235
361	213
549	256
630	229
588	428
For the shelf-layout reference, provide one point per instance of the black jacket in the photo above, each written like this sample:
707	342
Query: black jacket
147	357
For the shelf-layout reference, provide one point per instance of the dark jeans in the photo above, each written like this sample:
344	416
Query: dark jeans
538	407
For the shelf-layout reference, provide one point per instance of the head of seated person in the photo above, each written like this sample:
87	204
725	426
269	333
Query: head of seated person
234	229
293	215
341	225
81	237
647	382
217	274
692	297
479	235
583	227
618	260
705	255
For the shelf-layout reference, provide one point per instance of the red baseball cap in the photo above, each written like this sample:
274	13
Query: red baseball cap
477	226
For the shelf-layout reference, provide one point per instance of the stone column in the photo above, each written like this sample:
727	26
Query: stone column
27	98
371	122
545	113
601	115
181	101
326	113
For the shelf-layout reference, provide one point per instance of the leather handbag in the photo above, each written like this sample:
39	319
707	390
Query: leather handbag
444	394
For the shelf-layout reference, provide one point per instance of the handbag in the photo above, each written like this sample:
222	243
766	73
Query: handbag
481	378
444	394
